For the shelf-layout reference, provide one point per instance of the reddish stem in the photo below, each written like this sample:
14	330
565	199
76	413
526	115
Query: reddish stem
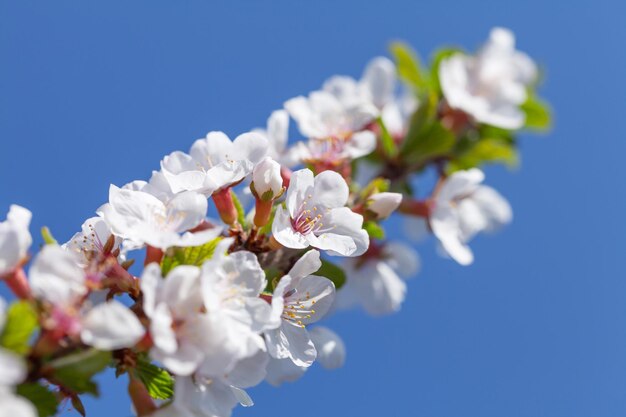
153	255
262	213
139	395
18	283
421	208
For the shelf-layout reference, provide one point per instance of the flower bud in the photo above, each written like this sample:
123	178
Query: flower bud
267	183
383	204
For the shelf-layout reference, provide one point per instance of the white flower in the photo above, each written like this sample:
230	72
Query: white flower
315	216
331	354
266	179
56	277
181	333
376	281
299	299
158	186
377	87
142	218
214	163
491	85
462	208
331	351
337	129
231	286
383	204
91	240
15	239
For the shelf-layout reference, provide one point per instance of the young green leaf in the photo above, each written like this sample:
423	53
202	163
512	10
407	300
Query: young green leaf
159	382
408	65
537	113
43	399
486	150
388	145
21	322
241	215
193	255
47	236
75	371
374	230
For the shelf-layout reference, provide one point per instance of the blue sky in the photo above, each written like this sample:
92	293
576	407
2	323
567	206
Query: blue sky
96	92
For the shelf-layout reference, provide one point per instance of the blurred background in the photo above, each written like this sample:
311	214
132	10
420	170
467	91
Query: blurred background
96	92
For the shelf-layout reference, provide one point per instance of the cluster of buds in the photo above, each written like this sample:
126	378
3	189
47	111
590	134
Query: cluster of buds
222	305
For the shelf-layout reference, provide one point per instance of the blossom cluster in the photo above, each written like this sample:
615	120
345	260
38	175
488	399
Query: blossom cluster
222	304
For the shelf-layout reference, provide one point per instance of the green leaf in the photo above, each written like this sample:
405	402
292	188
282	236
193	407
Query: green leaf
21	322
241	215
537	113
486	150
43	399
193	255
75	371
436	59
159	382
431	142
408	65
388	144
374	230
333	273
47	236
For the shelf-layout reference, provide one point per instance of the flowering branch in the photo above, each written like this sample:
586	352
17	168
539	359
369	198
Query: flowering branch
220	307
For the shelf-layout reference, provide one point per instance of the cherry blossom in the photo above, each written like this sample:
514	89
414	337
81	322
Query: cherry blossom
462	208
57	278
142	218
491	85
315	216
376	281
15	238
214	163
299	299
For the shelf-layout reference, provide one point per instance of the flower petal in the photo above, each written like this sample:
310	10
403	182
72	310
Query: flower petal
111	326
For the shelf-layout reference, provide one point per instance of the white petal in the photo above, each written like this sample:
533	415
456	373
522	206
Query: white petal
300	186
212	150
250	146
330	190
380	80
361	144
283	232
403	259
446	227
331	351
111	326
307	264
460	184
311	298
56	276
161	330
13	369
16	406
383	204
346	236
250	371
186	210
283	370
